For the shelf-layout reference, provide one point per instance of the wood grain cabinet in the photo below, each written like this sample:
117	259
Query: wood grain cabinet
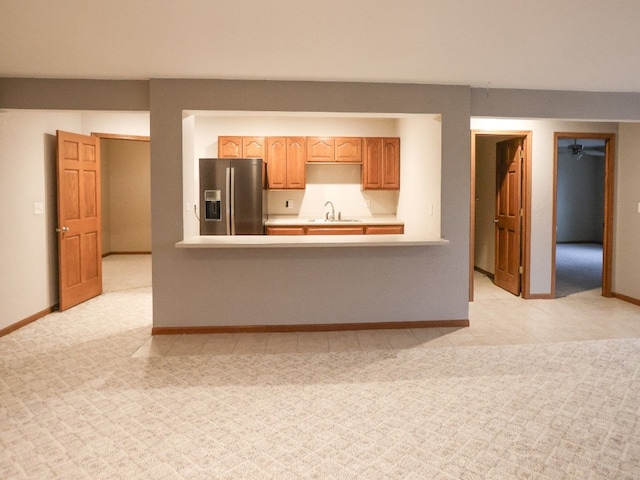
285	230
334	149
337	230
320	149
285	158
383	229
348	149
241	147
381	164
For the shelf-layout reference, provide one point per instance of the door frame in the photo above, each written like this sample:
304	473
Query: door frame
525	234
609	186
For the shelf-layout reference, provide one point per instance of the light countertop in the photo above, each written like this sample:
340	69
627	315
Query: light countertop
294	220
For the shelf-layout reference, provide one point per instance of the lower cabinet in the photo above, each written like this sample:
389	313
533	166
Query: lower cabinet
285	230
337	230
384	229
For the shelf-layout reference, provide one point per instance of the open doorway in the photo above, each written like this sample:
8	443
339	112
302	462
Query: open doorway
583	213
126	211
500	205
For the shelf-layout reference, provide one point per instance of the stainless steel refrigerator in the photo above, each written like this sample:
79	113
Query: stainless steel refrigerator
233	200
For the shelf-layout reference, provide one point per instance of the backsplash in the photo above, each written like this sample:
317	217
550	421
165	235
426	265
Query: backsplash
340	184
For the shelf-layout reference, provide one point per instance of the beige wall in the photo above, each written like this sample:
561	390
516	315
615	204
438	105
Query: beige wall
626	277
127	208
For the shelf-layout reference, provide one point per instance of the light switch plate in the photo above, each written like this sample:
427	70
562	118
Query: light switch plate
38	208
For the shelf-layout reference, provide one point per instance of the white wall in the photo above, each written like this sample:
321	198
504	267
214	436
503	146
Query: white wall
28	244
419	204
28	247
626	271
542	173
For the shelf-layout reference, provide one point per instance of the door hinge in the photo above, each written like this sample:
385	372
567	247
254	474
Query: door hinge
520	270
521	154
522	212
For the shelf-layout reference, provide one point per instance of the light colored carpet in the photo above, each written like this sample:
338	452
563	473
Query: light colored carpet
75	404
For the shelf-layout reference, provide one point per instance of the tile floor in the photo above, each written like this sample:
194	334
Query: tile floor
496	316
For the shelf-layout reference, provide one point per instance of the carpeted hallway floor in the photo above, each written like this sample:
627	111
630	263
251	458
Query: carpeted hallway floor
578	267
86	394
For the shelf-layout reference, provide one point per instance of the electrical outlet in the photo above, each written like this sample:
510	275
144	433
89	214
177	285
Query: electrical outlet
38	208
288	203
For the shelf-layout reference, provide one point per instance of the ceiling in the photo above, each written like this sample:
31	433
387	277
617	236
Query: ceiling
541	44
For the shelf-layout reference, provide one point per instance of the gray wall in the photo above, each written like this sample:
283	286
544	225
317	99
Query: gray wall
314	285
580	199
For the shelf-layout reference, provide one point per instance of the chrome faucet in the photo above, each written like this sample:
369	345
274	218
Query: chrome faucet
333	212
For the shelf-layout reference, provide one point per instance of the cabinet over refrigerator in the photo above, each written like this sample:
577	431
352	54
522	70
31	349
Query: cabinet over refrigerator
233	200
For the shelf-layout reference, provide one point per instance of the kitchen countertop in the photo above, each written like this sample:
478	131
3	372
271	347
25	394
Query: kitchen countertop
276	241
294	220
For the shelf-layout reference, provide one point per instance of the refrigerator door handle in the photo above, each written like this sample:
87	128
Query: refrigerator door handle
227	198
232	194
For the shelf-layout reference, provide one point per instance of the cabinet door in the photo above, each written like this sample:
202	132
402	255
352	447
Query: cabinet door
296	158
320	149
285	230
230	147
391	163
384	229
348	149
276	162
335	230
372	164
253	147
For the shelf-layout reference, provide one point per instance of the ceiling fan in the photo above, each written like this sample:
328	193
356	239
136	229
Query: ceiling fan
579	150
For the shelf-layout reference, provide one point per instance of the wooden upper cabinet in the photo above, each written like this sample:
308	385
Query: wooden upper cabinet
391	163
348	149
276	162
286	162
230	147
381	164
320	149
241	147
296	158
372	164
253	147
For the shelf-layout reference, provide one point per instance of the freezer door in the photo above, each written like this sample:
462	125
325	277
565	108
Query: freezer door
214	197
247	206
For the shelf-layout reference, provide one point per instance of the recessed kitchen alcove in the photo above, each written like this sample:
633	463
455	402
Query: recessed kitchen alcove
417	204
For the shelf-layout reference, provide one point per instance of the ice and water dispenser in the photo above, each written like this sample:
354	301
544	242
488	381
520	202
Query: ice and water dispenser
212	207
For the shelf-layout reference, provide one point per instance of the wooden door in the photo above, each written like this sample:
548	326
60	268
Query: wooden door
320	149
348	149
391	163
253	147
508	220
296	157
79	218
230	147
372	164
276	162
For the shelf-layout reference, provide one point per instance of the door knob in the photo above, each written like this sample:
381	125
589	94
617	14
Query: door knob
63	229
495	220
